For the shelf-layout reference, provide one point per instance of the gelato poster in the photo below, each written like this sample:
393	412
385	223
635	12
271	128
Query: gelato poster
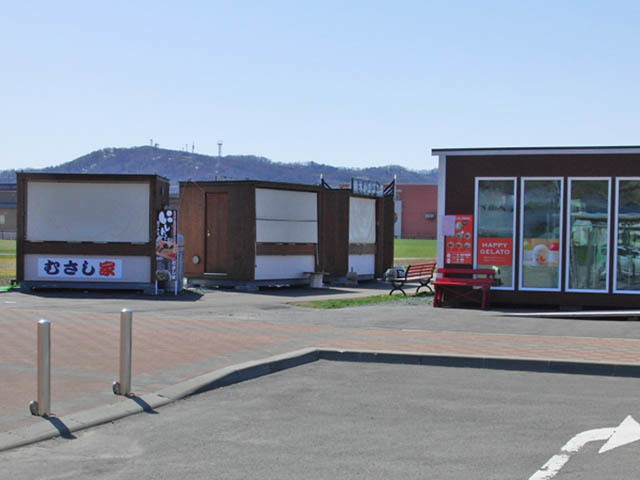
459	246
495	251
541	252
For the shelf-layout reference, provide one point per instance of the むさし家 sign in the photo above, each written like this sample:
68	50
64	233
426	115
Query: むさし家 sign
78	267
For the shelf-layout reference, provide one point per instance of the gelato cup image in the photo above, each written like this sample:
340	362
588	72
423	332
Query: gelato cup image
541	254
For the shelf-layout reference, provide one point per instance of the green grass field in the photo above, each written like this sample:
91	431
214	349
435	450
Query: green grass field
350	302
405	251
8	246
413	249
7	261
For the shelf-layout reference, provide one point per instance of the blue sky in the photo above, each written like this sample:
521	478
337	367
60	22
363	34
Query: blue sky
346	83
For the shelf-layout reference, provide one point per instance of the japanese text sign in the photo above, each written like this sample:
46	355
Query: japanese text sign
79	268
360	186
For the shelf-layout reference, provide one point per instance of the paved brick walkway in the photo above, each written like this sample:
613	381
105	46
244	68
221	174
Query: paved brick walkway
174	341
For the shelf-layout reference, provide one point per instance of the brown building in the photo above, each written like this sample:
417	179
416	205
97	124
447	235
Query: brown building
8	209
356	234
416	211
562	224
89	231
270	233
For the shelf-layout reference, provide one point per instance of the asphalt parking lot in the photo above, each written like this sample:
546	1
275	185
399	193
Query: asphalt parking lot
357	420
179	338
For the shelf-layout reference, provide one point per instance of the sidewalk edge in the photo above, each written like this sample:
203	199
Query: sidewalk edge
66	425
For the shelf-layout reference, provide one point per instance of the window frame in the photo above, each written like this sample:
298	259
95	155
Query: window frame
476	222
567	259
616	229
521	240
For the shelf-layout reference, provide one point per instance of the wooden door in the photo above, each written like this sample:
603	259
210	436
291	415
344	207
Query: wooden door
217	241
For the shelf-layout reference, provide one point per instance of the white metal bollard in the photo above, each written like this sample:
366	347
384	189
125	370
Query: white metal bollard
123	387
42	406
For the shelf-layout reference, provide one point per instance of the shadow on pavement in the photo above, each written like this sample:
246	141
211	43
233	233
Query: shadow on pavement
374	288
61	427
144	405
183	296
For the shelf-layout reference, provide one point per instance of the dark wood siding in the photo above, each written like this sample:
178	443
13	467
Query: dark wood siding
363	249
334	232
462	170
191	227
333	247
241	227
384	258
158	198
286	249
240	231
217	239
22	209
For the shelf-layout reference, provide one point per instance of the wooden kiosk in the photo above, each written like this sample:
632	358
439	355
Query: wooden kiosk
249	233
357	232
88	231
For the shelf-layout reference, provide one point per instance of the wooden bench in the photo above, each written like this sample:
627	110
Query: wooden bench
464	283
419	272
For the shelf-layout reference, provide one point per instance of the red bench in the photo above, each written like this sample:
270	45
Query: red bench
464	283
420	272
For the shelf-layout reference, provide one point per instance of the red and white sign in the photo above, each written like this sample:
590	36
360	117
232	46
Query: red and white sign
495	251
459	246
79	267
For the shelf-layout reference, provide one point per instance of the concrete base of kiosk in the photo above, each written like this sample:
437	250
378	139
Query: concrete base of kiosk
146	288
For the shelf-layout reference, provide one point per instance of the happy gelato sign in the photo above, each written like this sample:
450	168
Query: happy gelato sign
495	251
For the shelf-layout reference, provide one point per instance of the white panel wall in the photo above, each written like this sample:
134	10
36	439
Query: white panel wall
87	212
362	264
286	232
286	205
397	226
362	220
286	216
273	267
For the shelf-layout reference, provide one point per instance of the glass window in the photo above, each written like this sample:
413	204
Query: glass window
627	266
588	235
541	231
495	227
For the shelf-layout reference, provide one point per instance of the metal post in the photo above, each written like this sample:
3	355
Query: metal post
42	406
123	387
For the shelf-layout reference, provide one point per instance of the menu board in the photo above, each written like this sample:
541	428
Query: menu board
459	246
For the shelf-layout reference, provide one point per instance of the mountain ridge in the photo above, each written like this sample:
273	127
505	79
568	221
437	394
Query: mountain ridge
180	166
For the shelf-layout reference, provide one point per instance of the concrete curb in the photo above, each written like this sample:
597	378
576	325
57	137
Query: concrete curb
65	426
494	363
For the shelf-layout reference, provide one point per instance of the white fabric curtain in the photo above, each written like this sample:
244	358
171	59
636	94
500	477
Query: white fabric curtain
87	212
362	220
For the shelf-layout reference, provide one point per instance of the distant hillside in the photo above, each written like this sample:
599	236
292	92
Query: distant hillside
180	166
